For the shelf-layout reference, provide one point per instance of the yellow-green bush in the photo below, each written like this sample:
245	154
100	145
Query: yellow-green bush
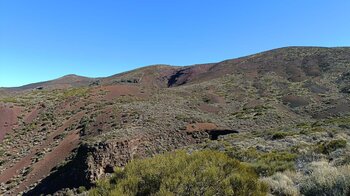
75	92
179	173
9	100
266	163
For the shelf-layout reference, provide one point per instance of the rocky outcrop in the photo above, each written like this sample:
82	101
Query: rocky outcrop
94	161
102	157
90	163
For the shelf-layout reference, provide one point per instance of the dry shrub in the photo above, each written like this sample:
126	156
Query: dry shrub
324	179
281	184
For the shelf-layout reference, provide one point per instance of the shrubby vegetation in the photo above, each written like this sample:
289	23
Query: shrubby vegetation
328	147
281	184
325	179
75	92
319	178
179	173
265	163
210	172
279	135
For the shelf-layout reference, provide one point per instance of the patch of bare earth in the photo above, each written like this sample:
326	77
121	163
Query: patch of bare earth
8	118
200	127
208	108
114	91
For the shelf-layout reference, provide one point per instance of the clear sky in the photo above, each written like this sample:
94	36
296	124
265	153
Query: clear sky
46	39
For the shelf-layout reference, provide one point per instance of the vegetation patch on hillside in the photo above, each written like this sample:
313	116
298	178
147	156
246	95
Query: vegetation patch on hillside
180	173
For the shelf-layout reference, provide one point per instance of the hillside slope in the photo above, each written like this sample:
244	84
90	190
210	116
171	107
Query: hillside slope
74	130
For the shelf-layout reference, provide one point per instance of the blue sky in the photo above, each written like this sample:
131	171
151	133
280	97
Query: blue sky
42	40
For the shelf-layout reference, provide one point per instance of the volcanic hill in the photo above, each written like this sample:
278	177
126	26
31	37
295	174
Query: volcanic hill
66	133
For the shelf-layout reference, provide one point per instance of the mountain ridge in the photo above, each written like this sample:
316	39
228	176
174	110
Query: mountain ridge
72	80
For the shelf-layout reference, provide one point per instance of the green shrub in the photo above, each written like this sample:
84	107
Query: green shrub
344	120
328	147
75	92
312	130
206	100
9	100
279	135
81	189
266	163
270	163
178	173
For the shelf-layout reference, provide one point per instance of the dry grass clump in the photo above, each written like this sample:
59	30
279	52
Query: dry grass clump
319	178
282	184
325	179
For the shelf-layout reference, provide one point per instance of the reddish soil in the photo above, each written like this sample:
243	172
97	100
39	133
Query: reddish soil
208	108
26	161
289	64
8	118
253	104
211	99
338	109
215	98
50	160
32	115
294	101
119	90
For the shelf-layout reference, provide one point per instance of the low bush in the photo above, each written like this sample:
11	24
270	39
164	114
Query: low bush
318	178
81	189
270	163
278	135
328	147
281	184
179	173
324	179
9	100
266	163
75	92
